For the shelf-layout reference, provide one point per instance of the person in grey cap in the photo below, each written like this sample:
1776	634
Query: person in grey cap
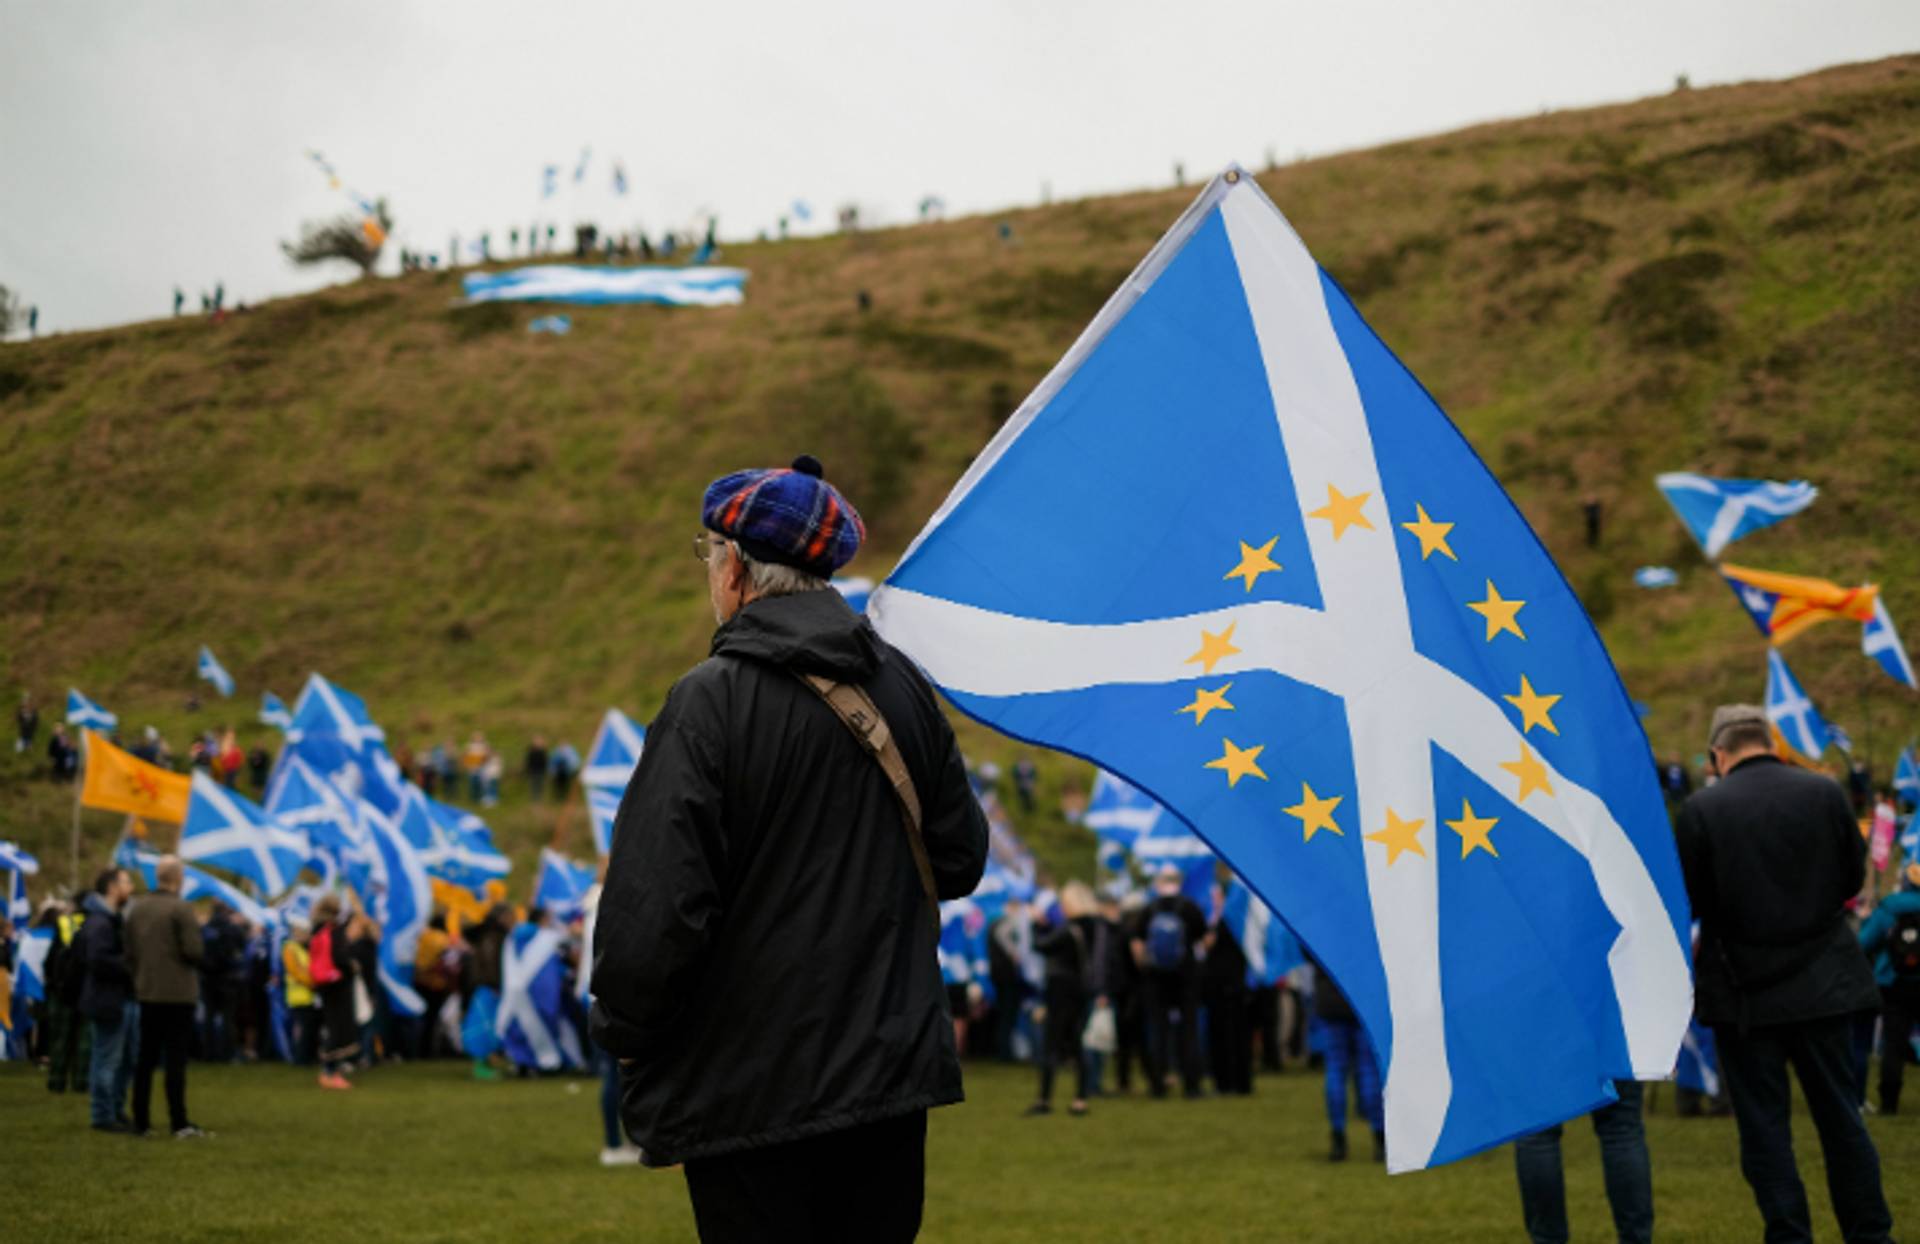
1772	856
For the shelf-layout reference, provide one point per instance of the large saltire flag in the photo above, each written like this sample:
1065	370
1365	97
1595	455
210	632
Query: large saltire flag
85	713
532	1023
227	830
1719	511
195	883
603	810
19	908
1783	605
403	899
472	859
1906	777
1321	634
209	669
616	749
562	885
333	730
1172	841
1791	712
300	797
119	782
1880	641
30	964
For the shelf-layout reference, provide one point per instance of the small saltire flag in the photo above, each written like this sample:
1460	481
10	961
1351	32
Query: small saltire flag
1841	739
1784	605
532	1023
1119	810
1880	641
229	831
273	711
802	210
603	809
856	589
615	751
1906	777
19	908
15	858
672	287
30	964
472	860
619	177
963	943
1172	842
1320	633
117	781
1791	712
562	885
85	713
1655	577
1719	511
1270	947
549	180
403	899
210	670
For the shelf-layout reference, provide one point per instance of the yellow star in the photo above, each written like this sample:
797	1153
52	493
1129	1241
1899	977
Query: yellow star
1315	813
1473	831
1254	562
1214	648
1501	615
1343	511
1532	774
1205	702
1399	836
1239	762
1432	535
1534	707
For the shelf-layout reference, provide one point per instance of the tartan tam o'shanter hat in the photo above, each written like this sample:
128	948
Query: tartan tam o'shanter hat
787	515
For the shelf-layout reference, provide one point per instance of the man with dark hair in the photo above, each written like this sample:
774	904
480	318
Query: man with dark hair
163	950
106	999
765	948
1772	857
1169	932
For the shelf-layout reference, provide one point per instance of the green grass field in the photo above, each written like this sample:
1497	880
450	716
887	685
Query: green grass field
421	1153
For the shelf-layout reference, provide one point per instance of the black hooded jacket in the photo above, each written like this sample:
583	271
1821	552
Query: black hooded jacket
764	958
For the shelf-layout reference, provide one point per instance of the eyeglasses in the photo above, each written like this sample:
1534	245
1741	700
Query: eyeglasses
705	545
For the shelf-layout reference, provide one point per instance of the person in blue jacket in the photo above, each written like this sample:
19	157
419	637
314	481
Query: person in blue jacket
1891	938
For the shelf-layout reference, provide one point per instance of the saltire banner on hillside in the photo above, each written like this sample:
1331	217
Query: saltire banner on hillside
532	1023
16	858
210	670
562	885
1880	641
1784	605
86	714
224	829
1791	712
117	781
273	711
300	797
1906	777
1319	632
674	287
1719	511
616	749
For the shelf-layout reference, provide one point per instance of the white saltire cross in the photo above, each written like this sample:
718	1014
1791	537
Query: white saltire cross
1360	648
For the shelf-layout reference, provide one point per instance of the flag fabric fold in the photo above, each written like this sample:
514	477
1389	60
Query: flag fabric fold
1880	641
1319	633
226	830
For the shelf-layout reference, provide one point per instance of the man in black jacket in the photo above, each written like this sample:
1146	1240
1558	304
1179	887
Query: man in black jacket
106	999
1772	856
1165	942
765	956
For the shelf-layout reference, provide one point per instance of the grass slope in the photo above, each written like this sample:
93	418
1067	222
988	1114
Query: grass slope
421	1153
479	527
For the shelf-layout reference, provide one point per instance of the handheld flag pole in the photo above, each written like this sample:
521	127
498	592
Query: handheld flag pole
79	785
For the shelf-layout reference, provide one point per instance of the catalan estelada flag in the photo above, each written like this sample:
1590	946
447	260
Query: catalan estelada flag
1783	605
118	782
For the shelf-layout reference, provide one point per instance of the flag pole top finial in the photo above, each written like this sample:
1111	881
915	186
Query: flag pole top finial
1233	174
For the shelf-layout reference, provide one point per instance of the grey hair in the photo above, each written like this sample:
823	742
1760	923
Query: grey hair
774	579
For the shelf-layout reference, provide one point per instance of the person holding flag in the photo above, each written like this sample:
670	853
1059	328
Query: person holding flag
1891	938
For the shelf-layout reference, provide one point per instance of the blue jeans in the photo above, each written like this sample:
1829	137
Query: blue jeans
1623	1161
1349	1053
112	1069
609	1068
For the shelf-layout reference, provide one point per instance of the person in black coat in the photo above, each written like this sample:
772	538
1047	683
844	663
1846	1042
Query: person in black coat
1166	945
1068	950
1223	986
765	954
106	1000
1772	857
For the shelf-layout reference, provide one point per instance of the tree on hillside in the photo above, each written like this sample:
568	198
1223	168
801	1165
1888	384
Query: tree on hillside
356	239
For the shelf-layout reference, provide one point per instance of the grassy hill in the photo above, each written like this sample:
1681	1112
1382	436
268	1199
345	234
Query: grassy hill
477	527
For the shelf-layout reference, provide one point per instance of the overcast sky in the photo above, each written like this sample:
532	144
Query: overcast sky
149	144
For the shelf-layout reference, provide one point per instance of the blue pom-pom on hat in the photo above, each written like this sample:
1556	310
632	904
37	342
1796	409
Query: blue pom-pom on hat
787	515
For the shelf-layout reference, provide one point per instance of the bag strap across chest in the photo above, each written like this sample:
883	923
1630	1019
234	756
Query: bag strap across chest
862	717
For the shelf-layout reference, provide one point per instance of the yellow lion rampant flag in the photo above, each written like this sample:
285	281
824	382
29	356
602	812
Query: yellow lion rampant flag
118	782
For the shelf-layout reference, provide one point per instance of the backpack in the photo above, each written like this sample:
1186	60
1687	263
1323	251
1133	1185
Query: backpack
322	966
1903	946
1166	941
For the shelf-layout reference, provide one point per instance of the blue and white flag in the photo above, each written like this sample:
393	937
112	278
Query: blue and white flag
603	809
580	169
1655	577
1719	511
1119	810
562	885
333	731
963	943
301	798
552	325
1270	947
273	711
1318	631
1757	601
549	180
30	964
532	1023
673	287
802	211
1699	1065
84	712
19	907
15	858
403	899
619	177
1791	712
210	670
325	707
229	831
615	751
1906	777
1880	641
856	589
472	859
1171	841
195	884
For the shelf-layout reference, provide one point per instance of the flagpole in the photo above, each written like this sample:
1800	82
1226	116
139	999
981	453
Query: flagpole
79	786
